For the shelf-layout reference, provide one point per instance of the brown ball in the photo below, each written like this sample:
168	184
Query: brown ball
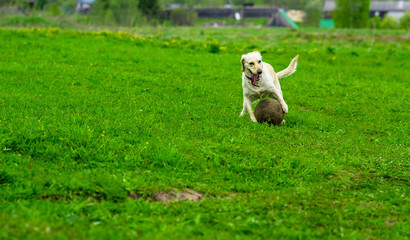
270	111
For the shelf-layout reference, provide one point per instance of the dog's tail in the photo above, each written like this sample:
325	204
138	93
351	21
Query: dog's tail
290	69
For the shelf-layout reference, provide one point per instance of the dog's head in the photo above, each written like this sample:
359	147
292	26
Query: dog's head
252	66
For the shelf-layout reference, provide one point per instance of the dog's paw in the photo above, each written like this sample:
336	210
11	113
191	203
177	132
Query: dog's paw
285	108
254	119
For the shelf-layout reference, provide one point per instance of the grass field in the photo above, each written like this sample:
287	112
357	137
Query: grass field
95	126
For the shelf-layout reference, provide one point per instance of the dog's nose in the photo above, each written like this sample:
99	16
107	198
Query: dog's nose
259	71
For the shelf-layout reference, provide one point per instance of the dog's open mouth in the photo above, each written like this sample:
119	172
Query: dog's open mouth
254	79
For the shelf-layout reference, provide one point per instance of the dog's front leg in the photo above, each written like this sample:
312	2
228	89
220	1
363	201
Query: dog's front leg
243	109
284	106
276	95
247	104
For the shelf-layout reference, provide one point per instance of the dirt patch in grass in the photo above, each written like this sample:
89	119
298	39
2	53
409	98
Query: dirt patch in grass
174	196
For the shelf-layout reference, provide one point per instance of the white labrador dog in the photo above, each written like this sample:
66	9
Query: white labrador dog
259	80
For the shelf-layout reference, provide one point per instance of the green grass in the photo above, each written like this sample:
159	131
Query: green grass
37	20
89	118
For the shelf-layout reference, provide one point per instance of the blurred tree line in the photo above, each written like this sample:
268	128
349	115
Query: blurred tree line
103	12
126	12
293	4
351	13
129	13
313	8
355	14
37	4
133	12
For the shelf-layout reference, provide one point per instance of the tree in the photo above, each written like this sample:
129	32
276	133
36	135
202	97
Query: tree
351	13
183	17
375	22
405	20
313	11
115	12
389	23
149	8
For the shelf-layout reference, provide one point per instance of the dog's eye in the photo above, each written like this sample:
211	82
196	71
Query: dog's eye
251	63
259	61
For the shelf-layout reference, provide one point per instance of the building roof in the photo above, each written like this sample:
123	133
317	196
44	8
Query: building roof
375	6
86	1
390	6
329	6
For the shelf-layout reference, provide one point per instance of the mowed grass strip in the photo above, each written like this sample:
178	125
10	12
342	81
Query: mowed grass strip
89	120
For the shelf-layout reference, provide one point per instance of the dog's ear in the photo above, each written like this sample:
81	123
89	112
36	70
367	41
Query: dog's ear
243	63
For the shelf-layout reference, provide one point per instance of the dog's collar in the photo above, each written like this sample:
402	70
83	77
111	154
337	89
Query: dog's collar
251	80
